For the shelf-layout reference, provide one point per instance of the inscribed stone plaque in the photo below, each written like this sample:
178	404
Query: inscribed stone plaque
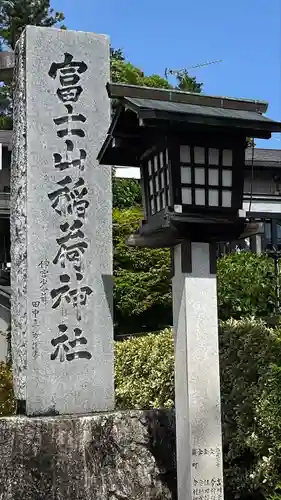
61	224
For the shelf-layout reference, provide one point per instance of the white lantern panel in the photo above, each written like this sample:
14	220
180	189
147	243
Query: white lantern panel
161	160
167	156
199	155
169	198
152	208
186	175
186	196
213	156
213	197
226	198
185	154
178	209
157	183
200	196
155	163
158	202
199	176
213	176
150	187
162	180
149	168
227	178
227	158
163	200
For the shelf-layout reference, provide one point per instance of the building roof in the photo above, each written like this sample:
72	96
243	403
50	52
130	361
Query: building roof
263	157
117	91
150	108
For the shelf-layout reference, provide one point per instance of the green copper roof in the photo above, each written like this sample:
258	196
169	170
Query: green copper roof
117	91
146	106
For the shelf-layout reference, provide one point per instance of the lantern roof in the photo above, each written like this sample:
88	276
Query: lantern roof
143	115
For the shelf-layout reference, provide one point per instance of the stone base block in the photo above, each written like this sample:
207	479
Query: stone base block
111	456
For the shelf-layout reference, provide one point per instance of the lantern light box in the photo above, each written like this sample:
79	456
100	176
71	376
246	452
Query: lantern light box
191	152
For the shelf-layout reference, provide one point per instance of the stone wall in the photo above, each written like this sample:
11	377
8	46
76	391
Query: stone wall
115	456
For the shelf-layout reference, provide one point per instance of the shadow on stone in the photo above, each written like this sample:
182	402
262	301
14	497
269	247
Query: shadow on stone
162	444
21	407
108	283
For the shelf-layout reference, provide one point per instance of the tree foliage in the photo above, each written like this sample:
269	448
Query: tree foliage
126	193
142	293
123	71
15	15
7	402
246	281
187	83
245	285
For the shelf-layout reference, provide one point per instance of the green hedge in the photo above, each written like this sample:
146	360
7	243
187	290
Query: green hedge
246	285
144	372
250	357
7	403
250	362
6	123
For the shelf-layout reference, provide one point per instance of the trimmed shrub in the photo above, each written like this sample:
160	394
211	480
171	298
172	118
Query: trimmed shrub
144	372
245	285
7	402
250	365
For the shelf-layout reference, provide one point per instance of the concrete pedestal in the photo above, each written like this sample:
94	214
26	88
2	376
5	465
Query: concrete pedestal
115	456
198	416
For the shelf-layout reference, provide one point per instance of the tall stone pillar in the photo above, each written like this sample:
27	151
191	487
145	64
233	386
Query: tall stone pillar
197	381
61	243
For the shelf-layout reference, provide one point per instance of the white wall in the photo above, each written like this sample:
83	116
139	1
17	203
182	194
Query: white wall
5	321
268	206
3	348
128	172
4	178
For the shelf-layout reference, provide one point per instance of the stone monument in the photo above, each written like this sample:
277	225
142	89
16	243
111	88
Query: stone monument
61	242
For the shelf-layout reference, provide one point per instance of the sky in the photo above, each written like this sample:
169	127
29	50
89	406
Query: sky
160	34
